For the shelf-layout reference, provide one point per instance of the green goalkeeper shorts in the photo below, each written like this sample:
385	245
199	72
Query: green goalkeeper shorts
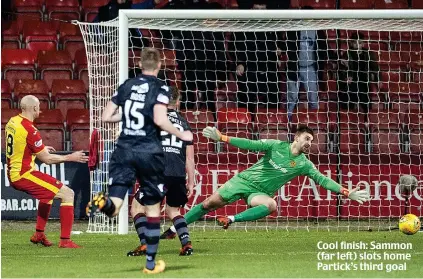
238	188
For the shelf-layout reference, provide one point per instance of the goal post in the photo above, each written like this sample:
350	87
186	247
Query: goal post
381	144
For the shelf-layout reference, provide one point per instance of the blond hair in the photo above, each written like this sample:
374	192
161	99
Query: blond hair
150	59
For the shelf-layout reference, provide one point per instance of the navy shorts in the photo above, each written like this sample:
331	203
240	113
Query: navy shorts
126	166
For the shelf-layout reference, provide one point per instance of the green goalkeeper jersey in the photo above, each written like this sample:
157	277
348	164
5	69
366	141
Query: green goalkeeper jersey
278	166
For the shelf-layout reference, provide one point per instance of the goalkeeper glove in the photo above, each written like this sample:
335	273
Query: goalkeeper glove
214	134
356	195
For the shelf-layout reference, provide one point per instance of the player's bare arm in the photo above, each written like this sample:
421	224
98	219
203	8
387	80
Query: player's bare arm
111	113
46	157
161	120
190	169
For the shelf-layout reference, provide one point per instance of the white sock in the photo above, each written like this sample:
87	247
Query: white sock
232	218
173	229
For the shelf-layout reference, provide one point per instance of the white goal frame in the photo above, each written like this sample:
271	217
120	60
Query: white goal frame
237	17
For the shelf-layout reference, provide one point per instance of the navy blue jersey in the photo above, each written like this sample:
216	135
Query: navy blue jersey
175	148
137	97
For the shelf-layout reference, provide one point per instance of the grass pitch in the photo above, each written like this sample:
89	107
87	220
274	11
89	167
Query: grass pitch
254	254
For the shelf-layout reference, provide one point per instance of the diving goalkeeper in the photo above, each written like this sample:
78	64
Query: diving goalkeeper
282	162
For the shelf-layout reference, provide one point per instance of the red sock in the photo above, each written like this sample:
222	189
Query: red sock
66	220
42	216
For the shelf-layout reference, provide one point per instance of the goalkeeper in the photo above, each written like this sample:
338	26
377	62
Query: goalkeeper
281	163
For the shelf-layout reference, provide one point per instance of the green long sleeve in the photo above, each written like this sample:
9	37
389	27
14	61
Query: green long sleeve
254	145
323	180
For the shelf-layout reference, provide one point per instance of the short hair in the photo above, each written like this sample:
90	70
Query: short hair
304	129
150	59
175	95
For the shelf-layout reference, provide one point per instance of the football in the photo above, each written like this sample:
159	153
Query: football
409	224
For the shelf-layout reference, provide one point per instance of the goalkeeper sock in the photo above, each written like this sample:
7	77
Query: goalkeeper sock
181	228
140	222
66	220
42	215
195	213
252	214
152	237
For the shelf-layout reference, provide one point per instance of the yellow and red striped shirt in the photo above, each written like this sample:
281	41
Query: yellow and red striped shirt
23	142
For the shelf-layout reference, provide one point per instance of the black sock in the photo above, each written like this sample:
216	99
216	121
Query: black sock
109	208
181	229
140	222
152	237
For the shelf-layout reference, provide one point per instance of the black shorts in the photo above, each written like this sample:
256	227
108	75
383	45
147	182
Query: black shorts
128	165
176	192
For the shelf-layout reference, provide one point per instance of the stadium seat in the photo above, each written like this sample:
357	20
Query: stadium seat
385	132
409	46
11	36
6	95
352	133
390	77
168	59
319	122
174	78
392	61
6	114
54	64
71	38
22	18
234	118
50	123
18	64
414	123
316	4
90	8
391	4
32	8
417	4
81	67
202	144
64	9
272	124
39	36
356	4
68	94
198	119
38	88
225	95
78	123
404	92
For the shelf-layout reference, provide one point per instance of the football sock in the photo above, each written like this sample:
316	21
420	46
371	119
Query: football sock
195	213
42	215
140	222
152	237
66	220
253	213
109	207
182	229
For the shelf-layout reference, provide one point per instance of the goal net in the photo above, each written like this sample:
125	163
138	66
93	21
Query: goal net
355	77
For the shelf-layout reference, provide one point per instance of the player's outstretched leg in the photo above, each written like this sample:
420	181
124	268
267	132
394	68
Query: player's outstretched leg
66	194
43	213
261	206
140	223
215	201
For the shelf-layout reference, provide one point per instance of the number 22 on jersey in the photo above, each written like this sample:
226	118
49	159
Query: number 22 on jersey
172	140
